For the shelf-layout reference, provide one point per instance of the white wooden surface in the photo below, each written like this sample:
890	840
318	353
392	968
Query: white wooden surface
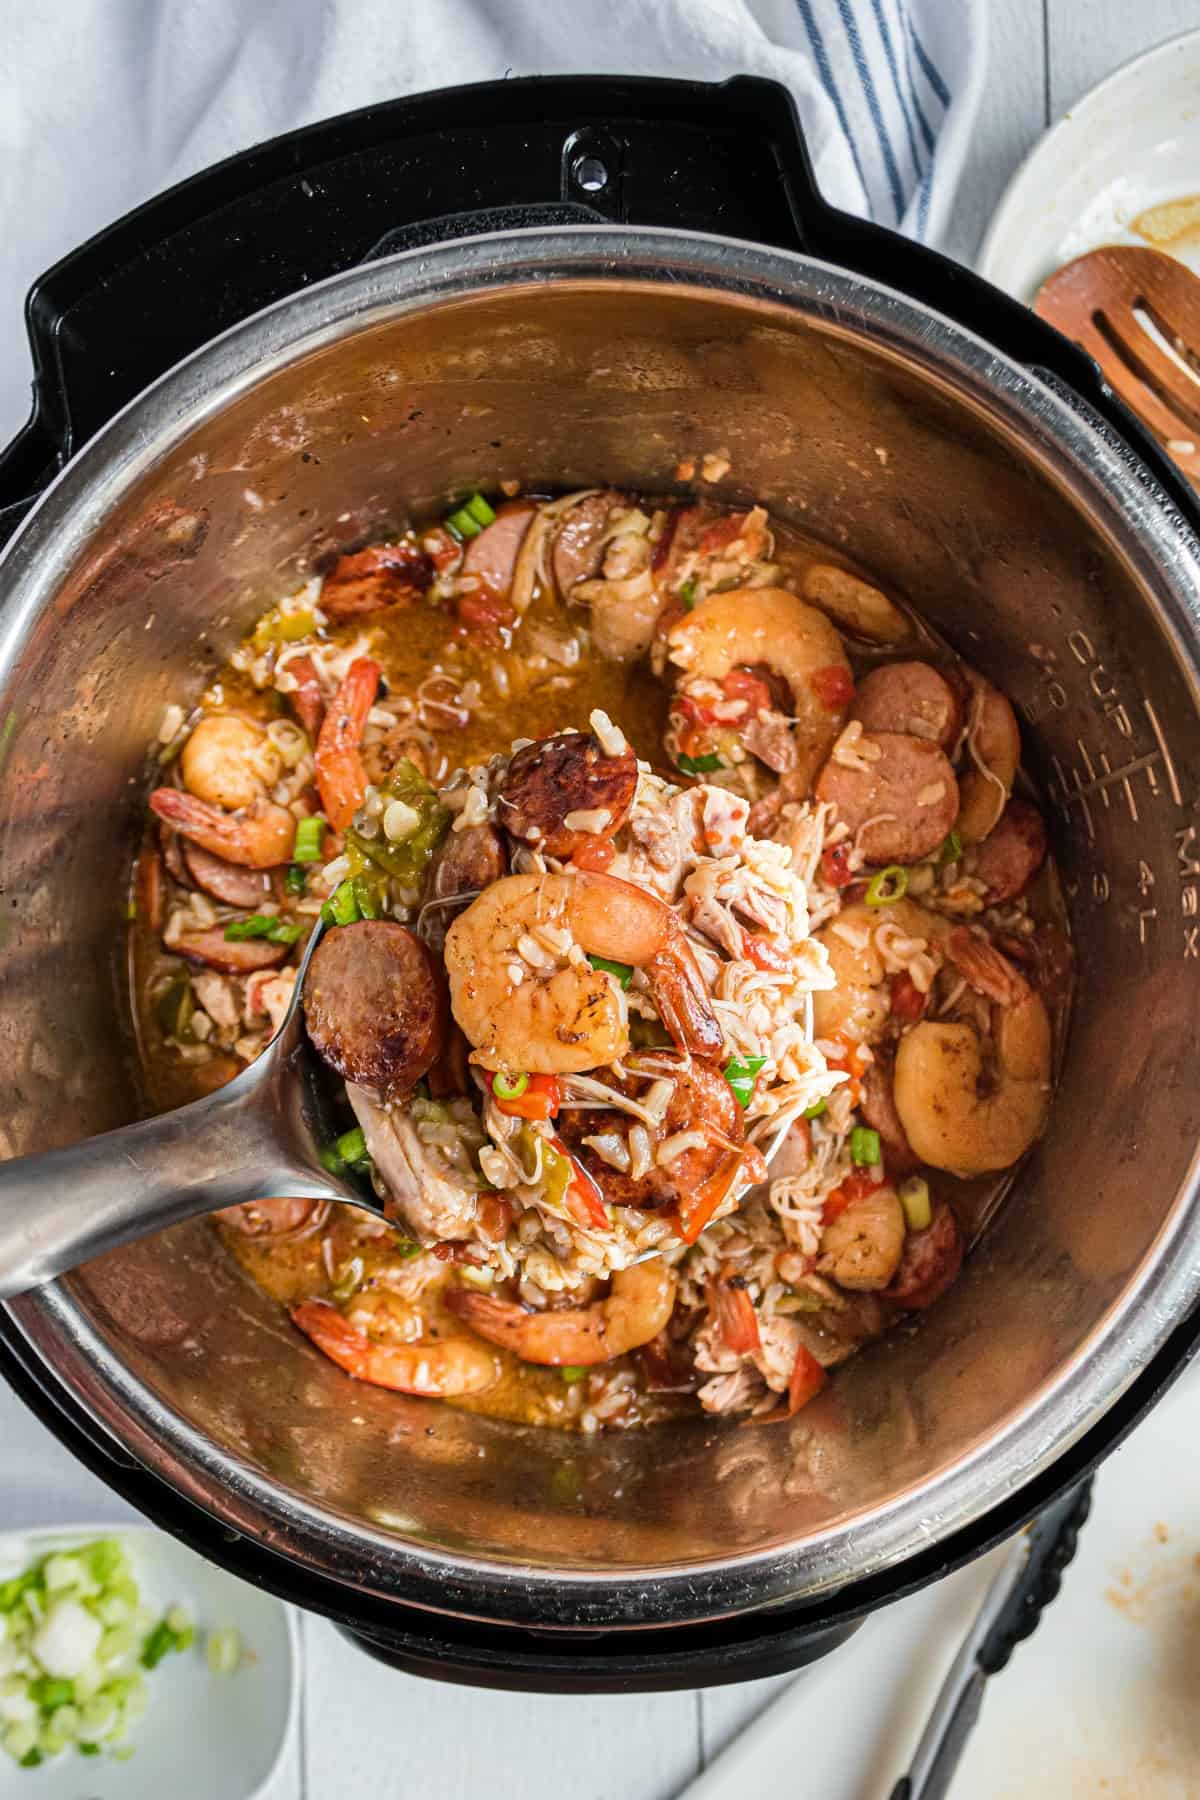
367	1731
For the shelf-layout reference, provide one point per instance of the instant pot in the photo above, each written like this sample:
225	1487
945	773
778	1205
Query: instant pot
588	281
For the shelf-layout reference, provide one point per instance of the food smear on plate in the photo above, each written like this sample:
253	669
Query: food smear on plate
694	965
77	1645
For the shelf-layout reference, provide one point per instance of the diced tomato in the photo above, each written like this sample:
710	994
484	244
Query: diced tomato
835	865
486	613
470	1255
908	1002
595	855
494	1215
737	1320
763	953
539	1100
743	684
443	551
808	1378
721	532
834	687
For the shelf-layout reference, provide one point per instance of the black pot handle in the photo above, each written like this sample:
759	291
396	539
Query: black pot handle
115	314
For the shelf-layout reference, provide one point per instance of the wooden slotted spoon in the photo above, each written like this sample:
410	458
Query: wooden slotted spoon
1138	313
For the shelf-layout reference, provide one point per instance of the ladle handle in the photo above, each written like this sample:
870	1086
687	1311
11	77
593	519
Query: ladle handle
63	1207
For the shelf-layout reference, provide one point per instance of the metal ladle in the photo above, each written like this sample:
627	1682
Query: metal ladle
260	1135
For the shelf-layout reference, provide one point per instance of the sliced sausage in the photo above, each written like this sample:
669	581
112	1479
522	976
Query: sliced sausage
578	552
466	862
550	781
1011	855
701	1097
491	557
275	1217
901	804
213	949
225	881
381	575
375	1005
910	697
929	1262
878	1108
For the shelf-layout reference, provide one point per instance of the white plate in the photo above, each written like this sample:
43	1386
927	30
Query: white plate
1132	143
204	1736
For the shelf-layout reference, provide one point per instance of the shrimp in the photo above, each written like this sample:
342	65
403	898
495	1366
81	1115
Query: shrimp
858	1006
639	1303
229	762
702	1117
994	753
855	605
439	1368
957	1114
258	836
744	630
341	778
524	1006
862	1246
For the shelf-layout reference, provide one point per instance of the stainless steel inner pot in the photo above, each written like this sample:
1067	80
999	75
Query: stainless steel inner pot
579	356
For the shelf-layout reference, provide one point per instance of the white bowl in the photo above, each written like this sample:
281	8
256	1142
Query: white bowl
204	1736
1133	142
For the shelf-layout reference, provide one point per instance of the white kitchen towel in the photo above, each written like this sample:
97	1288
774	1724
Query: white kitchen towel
103	103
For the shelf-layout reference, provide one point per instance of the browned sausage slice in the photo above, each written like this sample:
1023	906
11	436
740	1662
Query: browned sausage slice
225	881
375	1005
579	541
492	556
929	1261
550	781
379	576
213	950
910	697
1012	853
466	862
878	1108
901	804
275	1217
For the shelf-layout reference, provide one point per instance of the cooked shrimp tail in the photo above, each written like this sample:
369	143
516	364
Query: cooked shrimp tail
341	778
636	1309
440	1368
258	836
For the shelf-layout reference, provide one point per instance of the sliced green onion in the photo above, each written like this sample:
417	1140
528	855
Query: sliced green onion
622	973
104	1559
888	886
468	520
158	1644
914	1198
88	1749
310	836
479	510
330	1160
865	1149
49	1691
32	1759
816	1109
951	849
741	1072
699	765
352	1145
572	1372
223	1652
509	1087
687	594
296	879
262	925
343	908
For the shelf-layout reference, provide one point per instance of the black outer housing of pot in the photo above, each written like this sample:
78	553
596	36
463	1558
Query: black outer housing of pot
727	160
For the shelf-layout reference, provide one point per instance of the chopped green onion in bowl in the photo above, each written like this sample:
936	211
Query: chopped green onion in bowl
469	519
76	1642
262	925
509	1087
816	1109
699	765
343	908
310	837
887	886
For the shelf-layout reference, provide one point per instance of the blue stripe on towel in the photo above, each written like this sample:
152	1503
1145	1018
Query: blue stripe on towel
872	99
902	94
922	121
931	74
826	73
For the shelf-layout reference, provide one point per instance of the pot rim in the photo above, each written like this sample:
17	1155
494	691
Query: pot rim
1076	451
